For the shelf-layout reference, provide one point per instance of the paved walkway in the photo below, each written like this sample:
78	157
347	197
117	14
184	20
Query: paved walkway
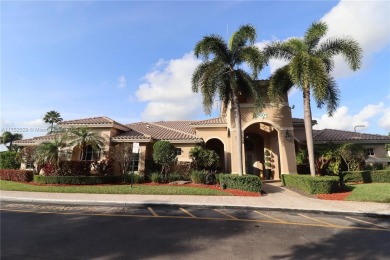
277	197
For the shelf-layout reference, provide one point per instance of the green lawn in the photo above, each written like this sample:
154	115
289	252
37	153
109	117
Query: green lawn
374	192
113	189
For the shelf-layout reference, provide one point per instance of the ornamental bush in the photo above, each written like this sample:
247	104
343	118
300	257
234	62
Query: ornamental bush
311	185
9	160
198	177
245	182
74	168
366	176
16	175
87	180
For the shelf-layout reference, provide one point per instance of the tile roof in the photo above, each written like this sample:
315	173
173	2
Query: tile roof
184	126
131	135
101	120
160	132
212	121
340	135
302	121
38	139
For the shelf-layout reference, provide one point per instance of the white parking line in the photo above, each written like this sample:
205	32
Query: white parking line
363	221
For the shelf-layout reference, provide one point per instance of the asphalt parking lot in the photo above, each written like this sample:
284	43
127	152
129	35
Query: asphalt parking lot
338	221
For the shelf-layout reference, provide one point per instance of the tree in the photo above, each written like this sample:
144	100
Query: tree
354	155
387	146
204	158
310	62
123	155
164	153
8	137
52	117
49	153
222	75
82	137
9	160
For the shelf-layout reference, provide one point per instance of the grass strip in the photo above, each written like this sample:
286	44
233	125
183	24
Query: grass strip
373	192
112	189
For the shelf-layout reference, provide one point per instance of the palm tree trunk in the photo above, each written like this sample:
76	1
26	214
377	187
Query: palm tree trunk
237	116
309	129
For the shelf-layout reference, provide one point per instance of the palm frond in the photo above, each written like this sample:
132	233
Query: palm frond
279	50
254	58
347	47
279	83
331	98
314	34
245	34
212	45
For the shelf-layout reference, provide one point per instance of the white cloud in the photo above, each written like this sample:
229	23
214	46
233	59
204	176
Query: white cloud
368	22
122	82
384	121
167	89
343	120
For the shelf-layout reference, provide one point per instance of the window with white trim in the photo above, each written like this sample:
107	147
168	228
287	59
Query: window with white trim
370	151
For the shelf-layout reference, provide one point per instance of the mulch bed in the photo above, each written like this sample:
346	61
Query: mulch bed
334	196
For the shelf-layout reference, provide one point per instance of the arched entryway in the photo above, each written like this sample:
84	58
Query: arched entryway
261	150
216	145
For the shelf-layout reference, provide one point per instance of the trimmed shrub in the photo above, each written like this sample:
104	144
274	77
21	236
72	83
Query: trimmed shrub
156	177
245	182
175	177
311	185
86	180
366	176
136	178
9	160
74	168
198	177
380	176
16	175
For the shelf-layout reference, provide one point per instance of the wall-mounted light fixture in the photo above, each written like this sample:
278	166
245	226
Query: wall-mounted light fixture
288	136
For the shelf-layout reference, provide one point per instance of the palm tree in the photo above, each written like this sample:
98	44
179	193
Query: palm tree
8	137
49	152
52	117
83	137
310	62
222	75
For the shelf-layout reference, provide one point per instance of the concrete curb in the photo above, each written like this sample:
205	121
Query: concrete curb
186	204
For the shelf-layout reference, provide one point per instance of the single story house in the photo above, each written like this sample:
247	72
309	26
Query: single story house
272	131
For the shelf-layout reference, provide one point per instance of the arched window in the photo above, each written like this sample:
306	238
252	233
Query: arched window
90	154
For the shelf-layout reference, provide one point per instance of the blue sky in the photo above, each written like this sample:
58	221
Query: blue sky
132	61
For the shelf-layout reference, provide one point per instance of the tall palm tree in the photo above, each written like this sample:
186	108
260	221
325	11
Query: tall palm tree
8	137
52	117
310	62
83	137
223	75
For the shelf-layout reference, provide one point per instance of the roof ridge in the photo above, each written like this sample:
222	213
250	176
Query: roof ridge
178	131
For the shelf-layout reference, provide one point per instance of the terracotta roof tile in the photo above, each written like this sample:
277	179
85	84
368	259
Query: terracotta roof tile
184	126
101	120
161	132
131	135
330	135
40	139
212	121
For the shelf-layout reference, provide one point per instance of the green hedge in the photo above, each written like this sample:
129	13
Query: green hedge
198	177
311	185
16	175
366	176
246	182
86	180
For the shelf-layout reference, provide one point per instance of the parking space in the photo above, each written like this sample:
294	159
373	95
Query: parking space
209	213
